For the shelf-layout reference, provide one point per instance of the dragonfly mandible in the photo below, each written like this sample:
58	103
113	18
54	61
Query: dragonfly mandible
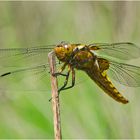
100	61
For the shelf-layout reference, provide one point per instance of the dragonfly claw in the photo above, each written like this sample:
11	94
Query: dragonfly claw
51	98
57	74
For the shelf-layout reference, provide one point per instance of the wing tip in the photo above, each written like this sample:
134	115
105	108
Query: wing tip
5	74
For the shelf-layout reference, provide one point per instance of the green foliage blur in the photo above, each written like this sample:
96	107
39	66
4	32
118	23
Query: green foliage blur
86	112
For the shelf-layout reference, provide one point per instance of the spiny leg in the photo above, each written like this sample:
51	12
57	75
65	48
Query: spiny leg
73	81
66	81
60	73
66	75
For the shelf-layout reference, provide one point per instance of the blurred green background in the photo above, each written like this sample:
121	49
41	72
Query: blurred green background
86	112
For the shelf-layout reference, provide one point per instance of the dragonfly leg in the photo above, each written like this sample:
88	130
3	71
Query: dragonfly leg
72	84
60	71
66	81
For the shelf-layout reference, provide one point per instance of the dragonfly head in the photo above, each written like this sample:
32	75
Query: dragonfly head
63	51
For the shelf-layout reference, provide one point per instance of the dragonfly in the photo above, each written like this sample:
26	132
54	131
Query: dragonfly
100	61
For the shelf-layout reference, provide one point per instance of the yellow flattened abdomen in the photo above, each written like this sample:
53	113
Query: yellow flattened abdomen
113	92
103	81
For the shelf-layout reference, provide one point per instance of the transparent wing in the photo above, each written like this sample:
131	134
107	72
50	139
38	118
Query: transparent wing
125	74
33	79
24	56
122	51
25	79
23	68
41	68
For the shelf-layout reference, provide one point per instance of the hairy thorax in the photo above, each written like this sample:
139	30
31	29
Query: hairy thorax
83	60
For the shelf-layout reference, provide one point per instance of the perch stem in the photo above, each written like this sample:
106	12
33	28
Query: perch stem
55	97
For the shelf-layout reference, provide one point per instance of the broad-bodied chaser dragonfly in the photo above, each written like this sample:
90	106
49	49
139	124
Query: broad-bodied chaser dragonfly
100	61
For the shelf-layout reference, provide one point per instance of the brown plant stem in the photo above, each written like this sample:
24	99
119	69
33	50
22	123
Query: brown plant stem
55	97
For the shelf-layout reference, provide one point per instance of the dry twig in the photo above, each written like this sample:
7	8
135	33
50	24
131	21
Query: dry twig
55	97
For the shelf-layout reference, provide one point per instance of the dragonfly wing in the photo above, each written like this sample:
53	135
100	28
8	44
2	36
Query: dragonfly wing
36	68
125	74
25	69
122	51
33	78
24	56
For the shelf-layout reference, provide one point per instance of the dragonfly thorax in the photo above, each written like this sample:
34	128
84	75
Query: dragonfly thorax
77	55
83	60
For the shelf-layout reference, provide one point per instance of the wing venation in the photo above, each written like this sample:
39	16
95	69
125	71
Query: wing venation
122	50
125	74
